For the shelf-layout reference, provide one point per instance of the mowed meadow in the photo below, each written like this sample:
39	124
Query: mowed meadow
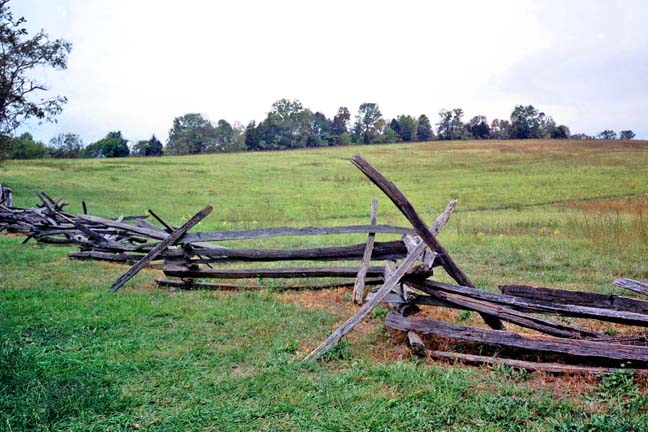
73	356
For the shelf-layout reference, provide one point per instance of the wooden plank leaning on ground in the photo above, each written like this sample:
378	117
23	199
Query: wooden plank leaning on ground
544	344
170	240
580	298
632	285
382	292
531	306
543	325
556	368
405	207
358	288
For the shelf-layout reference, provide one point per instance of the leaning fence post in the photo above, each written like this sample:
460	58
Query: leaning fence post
358	288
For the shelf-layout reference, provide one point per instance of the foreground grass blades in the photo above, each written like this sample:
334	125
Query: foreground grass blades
75	357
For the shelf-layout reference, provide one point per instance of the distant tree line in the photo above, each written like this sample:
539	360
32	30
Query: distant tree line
289	125
70	146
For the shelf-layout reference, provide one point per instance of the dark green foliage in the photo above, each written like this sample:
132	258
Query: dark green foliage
626	135
224	135
112	146
320	132
500	129
252	136
524	122
607	134
289	125
424	129
340	125
388	136
151	147
66	145
560	132
191	134
344	139
5	146
20	56
406	128
25	147
154	147
140	148
581	136
450	126
478	127
529	123
393	125
369	123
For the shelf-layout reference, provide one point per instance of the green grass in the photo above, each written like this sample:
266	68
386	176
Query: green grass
75	357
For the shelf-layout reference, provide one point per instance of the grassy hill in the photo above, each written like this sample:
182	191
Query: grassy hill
74	357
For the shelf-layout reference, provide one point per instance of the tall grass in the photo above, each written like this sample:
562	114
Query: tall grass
614	226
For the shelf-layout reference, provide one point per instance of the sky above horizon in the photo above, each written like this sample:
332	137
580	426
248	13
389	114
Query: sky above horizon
137	64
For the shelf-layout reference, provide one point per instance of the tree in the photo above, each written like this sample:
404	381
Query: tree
151	147
20	57
252	139
524	122
367	124
224	133
320	131
113	145
340	125
560	132
424	129
478	127
581	136
66	145
395	127
607	134
154	147
238	140
25	147
140	148
500	129
406	128
287	125
387	135
450	126
5	146
626	135
527	122
191	134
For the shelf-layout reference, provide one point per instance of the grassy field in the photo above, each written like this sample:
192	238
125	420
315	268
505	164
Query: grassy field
74	357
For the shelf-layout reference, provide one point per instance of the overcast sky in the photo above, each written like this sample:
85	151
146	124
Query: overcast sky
137	64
